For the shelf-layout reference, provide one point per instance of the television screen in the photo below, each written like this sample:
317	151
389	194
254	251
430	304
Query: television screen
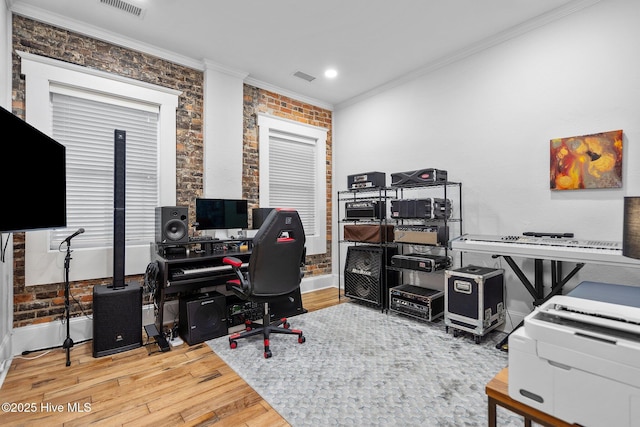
33	177
219	214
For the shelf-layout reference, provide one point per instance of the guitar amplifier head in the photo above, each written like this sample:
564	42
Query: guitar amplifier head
365	210
366	180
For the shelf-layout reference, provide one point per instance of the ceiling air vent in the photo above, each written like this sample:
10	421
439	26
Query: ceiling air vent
304	76
124	6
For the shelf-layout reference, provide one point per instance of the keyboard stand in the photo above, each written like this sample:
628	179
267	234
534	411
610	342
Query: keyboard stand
537	290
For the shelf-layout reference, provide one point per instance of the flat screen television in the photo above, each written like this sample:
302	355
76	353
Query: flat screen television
221	214
33	177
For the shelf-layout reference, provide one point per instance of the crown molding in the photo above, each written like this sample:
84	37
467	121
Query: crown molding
60	21
272	88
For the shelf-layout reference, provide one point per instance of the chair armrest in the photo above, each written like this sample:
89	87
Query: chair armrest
232	261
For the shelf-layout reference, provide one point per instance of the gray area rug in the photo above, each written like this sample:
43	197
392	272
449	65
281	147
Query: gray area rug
362	367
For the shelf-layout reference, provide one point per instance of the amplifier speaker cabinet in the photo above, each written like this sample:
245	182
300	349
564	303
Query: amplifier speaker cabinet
436	235
416	301
417	177
117	319
366	277
365	210
202	317
366	180
369	233
474	299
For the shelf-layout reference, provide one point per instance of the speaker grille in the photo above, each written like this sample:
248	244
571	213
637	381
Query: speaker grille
117	319
364	276
175	230
203	317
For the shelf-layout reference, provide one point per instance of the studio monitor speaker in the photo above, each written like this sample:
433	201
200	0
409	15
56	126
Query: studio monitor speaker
364	273
117	319
203	317
172	224
258	215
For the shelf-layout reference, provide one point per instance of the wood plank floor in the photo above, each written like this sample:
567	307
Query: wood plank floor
189	385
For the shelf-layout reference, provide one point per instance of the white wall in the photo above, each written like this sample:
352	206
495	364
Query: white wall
6	267
488	119
223	116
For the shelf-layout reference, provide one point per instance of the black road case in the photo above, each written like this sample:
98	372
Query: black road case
474	300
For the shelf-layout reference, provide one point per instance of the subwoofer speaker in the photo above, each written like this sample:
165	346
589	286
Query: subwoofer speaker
117	319
366	277
203	317
172	224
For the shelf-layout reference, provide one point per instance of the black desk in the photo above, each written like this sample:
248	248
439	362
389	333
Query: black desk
172	259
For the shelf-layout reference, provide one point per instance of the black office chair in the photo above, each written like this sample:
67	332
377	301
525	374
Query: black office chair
274	271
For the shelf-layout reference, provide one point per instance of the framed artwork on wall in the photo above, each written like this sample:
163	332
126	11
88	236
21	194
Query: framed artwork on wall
587	161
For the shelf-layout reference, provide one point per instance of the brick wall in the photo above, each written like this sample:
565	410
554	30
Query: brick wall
45	303
262	101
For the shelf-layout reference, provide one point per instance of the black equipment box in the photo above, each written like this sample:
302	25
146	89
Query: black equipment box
418	302
429	208
421	262
202	317
474	299
365	210
366	180
240	311
417	177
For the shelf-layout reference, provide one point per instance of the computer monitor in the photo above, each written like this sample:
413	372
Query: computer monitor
221	214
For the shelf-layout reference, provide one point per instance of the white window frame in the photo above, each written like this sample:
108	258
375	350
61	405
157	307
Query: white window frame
43	266
139	230
316	243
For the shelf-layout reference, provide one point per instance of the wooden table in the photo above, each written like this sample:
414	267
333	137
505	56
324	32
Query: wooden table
498	393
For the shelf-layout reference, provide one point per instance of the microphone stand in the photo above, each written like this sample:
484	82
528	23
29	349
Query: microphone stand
68	342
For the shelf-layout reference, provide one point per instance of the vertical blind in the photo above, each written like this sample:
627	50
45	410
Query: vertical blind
85	126
292	175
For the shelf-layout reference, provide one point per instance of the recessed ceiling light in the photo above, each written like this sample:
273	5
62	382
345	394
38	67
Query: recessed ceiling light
330	73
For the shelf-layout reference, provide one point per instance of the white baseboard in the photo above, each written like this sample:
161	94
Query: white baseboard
51	334
5	356
315	283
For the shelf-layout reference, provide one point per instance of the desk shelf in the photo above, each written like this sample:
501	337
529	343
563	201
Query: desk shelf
192	256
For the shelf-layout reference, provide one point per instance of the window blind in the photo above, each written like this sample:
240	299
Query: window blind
85	126
292	175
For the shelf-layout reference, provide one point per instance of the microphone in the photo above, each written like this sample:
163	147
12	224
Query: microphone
68	239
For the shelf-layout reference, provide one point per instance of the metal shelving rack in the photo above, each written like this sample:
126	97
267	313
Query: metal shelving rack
376	194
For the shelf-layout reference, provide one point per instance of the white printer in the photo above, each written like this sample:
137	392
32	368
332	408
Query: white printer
578	356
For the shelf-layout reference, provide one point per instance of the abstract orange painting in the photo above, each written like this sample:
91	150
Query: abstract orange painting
588	161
